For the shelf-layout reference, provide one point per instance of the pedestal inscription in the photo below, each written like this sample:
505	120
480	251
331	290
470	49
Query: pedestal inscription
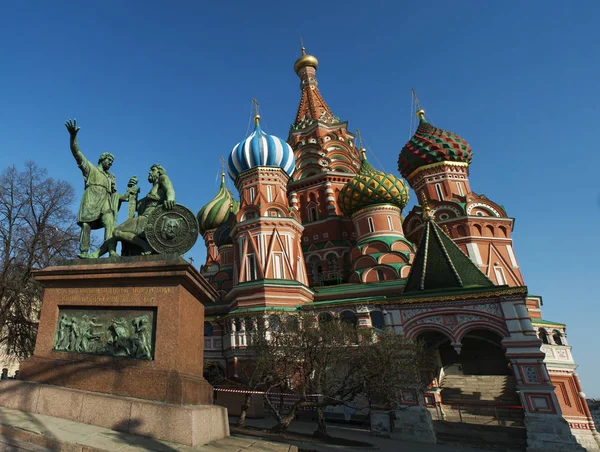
101	331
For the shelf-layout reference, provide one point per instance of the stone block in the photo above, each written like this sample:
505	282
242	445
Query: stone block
106	411
415	424
19	395
191	425
59	402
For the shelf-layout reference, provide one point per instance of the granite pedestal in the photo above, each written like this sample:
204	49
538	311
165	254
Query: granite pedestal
169	387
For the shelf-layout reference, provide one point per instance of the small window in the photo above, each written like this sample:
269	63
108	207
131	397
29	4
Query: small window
208	329
349	317
380	275
390	223
325	317
250	267
557	337
278	266
440	193
252	194
500	277
269	194
543	336
371	225
377	320
274	323
460	189
313	214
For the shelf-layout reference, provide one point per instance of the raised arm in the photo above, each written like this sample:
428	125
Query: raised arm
169	190
72	128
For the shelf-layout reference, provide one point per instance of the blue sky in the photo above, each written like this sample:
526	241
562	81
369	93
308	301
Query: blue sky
172	83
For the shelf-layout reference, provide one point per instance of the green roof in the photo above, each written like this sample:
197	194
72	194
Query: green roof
441	264
387	239
545	322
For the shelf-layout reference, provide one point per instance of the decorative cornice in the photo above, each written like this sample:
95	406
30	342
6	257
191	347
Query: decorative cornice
435	165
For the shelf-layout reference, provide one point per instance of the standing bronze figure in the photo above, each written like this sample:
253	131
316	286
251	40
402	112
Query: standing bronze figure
100	201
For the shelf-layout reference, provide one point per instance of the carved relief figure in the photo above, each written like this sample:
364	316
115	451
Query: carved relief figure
142	336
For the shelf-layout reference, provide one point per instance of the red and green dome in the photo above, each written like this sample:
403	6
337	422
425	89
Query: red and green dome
370	187
432	145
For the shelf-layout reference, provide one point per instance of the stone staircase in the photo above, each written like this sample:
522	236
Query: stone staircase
481	399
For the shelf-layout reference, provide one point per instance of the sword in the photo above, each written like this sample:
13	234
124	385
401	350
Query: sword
132	191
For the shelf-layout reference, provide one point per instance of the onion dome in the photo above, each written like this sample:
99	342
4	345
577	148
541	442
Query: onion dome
260	149
432	145
222	234
304	61
370	187
217	210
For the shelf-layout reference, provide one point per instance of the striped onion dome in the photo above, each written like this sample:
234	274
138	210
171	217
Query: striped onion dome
432	145
217	210
370	187
222	234
260	149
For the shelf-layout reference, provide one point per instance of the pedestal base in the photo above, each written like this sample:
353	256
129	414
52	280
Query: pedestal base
414	424
547	432
121	377
191	425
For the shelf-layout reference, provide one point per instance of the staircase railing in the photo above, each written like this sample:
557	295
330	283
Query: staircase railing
468	413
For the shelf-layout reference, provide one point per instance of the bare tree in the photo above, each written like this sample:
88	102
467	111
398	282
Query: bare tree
331	363
37	228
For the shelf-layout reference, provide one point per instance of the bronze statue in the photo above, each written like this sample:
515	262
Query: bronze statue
100	202
132	231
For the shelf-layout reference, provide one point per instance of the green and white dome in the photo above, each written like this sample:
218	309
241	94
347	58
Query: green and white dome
213	214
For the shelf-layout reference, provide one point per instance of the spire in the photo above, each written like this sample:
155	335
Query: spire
256	114
440	264
312	105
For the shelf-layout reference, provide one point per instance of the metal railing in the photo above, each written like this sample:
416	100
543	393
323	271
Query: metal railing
481	413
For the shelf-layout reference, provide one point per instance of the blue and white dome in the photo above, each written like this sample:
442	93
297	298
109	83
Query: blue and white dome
260	149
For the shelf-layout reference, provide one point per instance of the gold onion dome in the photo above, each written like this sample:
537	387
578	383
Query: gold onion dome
216	211
305	61
370	187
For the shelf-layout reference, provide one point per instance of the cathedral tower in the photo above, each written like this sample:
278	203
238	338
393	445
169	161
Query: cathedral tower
326	159
268	267
436	165
374	201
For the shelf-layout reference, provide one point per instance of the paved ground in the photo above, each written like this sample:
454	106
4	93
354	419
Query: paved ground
358	433
40	433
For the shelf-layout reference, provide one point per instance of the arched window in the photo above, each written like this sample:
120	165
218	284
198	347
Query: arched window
291	324
380	275
349	317
371	225
557	337
325	317
313	213
274	322
543	336
377	320
208	329
250	323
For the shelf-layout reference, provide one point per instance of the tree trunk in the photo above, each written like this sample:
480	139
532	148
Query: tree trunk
321	430
284	422
245	405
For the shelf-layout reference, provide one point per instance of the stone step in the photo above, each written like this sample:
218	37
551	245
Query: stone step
492	437
22	431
